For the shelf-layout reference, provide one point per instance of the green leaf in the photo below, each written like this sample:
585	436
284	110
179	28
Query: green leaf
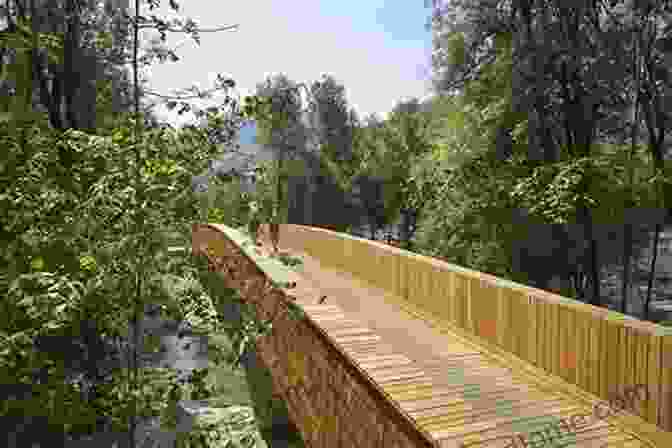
37	264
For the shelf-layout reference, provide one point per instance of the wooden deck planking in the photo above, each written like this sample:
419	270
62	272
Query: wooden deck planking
480	408
441	409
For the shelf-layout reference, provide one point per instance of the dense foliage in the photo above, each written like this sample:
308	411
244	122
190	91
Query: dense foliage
541	157
96	225
547	140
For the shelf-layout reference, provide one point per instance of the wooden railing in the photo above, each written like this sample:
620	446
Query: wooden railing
600	351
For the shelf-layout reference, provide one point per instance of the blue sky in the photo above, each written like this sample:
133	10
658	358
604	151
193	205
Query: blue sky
248	134
379	49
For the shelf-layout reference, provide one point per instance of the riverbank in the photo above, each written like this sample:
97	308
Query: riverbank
244	395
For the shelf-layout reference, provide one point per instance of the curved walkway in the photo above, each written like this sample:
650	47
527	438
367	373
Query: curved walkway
454	387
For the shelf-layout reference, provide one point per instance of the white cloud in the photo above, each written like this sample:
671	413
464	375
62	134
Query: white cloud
299	38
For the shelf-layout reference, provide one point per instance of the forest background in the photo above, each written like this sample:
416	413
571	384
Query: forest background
542	157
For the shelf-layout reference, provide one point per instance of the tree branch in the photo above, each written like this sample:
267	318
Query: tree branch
197	30
170	97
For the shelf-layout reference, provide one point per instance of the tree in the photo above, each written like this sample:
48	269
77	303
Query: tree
330	118
331	127
462	184
280	125
66	63
405	141
647	24
571	66
363	173
94	249
463	189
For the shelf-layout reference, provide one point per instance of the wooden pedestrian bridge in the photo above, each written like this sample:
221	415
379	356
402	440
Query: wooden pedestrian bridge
402	350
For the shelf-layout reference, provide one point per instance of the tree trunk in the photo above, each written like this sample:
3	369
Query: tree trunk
592	261
652	270
279	197
70	74
405	227
627	228
594	274
627	256
577	281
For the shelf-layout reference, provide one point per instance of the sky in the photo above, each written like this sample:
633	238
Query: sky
378	49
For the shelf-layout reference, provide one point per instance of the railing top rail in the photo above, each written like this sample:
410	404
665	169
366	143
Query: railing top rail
538	294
